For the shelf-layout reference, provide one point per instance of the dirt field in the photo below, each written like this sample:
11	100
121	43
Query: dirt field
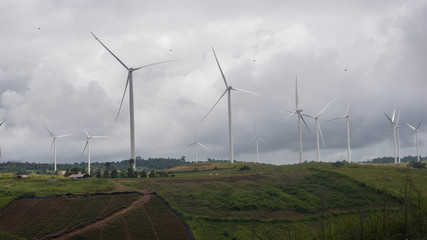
105	216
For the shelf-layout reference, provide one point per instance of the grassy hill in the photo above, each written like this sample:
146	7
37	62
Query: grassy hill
251	201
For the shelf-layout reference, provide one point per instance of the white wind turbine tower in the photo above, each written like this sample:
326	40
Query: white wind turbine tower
129	82
298	112
257	139
227	90
318	129
396	127
87	145
416	129
54	143
347	117
392	122
0	126
196	144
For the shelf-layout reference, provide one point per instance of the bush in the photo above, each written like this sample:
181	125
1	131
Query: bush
415	164
244	168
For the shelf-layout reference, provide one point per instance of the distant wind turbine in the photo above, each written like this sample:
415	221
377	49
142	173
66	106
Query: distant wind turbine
196	144
393	130
87	145
416	129
299	115
257	139
54	136
227	90
318	129
396	127
129	82
347	117
0	126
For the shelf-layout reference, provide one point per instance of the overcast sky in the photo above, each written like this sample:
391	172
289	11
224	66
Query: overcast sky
54	72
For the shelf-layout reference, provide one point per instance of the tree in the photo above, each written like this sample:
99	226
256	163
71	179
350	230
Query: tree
143	173
74	170
114	173
131	172
98	173
123	174
107	169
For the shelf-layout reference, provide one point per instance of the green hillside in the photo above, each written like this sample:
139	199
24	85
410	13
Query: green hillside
250	201
253	201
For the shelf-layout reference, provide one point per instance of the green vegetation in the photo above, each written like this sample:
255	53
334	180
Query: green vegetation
46	168
38	185
242	201
304	201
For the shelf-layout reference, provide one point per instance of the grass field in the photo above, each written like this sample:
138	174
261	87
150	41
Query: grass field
297	201
239	201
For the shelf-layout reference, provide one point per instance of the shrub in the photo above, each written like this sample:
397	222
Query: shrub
415	164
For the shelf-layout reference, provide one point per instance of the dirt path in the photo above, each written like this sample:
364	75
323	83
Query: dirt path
136	204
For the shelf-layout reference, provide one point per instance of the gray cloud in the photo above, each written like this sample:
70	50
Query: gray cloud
59	75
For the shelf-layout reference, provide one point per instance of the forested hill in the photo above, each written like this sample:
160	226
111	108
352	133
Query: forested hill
148	164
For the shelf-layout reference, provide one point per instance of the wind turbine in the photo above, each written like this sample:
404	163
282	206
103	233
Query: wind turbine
393	130
298	112
129	82
347	117
318	129
87	145
227	90
54	143
257	139
416	129
0	126
396	127
196	144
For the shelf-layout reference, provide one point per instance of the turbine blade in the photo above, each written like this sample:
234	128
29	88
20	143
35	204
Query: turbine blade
47	129
296	92
290	115
398	117
84	129
124	93
110	51
203	146
84	149
389	118
0	151
238	89
262	140
2	122
100	136
348	107
53	142
306	115
304	123
219	66
215	104
394	113
333	119
321	135
419	124
151	64
188	146
413	128
326	106
65	135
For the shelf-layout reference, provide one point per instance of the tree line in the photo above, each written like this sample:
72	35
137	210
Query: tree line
119	166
